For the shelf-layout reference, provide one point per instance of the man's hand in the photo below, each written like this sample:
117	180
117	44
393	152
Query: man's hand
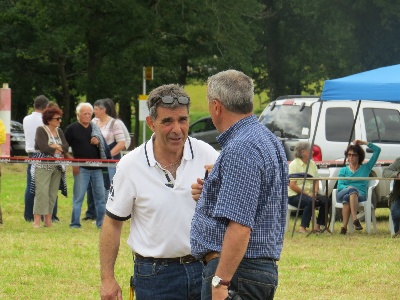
220	293
110	290
94	141
197	188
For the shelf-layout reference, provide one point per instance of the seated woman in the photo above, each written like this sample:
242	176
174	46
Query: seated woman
299	165
393	171
350	192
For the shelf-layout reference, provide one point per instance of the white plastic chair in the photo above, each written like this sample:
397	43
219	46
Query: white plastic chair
288	213
366	206
391	226
289	210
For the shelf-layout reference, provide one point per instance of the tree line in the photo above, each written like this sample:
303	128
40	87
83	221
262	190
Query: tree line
71	50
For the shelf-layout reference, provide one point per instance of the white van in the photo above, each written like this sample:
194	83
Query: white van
294	119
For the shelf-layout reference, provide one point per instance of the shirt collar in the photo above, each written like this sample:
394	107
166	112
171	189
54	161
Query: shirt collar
301	162
149	152
224	137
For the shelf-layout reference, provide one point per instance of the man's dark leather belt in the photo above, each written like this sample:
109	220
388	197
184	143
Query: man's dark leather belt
213	254
182	260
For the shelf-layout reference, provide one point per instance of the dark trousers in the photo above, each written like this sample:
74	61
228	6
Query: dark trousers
306	204
91	209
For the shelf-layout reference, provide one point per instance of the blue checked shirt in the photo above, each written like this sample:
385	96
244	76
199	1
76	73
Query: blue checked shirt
248	185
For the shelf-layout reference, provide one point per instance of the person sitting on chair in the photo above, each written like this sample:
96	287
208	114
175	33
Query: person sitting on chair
393	171
351	192
299	165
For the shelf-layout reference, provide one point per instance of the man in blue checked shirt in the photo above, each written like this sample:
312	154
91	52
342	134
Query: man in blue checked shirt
238	226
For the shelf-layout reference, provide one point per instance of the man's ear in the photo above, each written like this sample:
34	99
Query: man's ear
217	106
150	123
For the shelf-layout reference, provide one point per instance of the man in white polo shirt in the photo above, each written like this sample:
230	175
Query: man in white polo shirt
152	186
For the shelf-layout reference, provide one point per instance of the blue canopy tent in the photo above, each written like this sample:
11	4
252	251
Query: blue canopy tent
382	84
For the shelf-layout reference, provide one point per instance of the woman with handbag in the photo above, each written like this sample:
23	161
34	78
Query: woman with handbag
111	129
50	143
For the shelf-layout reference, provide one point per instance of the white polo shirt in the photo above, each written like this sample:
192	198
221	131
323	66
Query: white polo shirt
160	215
31	123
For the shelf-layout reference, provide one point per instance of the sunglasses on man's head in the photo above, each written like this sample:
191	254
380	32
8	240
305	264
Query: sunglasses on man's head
169	100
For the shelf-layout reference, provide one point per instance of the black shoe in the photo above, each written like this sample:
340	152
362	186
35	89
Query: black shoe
88	218
55	220
343	230
357	225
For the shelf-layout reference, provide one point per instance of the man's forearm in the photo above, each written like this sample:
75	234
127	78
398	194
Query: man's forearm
109	246
234	247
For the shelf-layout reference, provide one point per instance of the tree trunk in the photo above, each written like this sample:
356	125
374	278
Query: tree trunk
66	97
183	70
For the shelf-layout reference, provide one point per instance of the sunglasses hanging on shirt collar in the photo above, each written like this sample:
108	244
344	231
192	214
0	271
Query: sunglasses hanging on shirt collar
169	183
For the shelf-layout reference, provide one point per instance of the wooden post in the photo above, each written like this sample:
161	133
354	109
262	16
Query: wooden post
5	115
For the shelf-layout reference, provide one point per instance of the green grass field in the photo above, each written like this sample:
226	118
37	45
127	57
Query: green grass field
63	263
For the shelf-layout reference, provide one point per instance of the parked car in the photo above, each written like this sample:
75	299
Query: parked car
204	129
294	119
17	139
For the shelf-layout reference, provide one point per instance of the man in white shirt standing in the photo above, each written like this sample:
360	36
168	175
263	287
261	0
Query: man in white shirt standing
31	123
152	187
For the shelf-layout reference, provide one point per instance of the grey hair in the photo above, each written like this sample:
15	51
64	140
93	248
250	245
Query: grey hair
173	90
300	147
234	89
83	104
40	102
109	106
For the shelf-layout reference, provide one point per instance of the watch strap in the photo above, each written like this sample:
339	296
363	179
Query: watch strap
224	282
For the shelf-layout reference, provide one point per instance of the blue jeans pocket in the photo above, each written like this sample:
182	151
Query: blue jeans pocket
257	279
249	289
147	268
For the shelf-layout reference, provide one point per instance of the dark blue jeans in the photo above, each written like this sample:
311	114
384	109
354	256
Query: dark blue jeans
395	211
255	278
306	205
167	280
30	197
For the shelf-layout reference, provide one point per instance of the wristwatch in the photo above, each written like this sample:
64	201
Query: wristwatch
216	282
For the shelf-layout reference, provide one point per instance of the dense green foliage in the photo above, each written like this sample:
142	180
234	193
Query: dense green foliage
71	50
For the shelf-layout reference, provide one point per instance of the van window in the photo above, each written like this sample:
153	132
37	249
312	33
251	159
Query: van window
382	125
338	123
288	120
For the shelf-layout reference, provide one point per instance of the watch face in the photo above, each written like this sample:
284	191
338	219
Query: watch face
215	281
